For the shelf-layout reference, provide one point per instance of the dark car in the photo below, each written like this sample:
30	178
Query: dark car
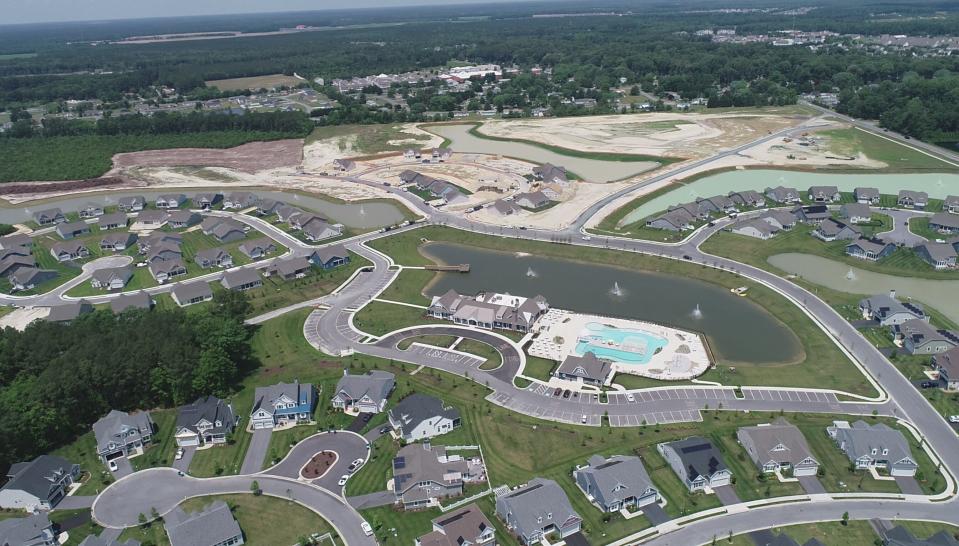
558	391
927	384
385	430
367	417
566	394
687	257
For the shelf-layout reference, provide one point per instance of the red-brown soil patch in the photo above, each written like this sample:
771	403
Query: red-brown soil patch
251	157
318	465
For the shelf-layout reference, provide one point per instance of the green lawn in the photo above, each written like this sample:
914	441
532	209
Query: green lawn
164	447
493	358
538	368
851	141
751	484
151	533
920	226
378	318
680	501
77	534
83	451
372	477
226	458
437	341
856	533
408	286
259	517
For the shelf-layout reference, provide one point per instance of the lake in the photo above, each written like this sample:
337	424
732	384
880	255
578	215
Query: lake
936	185
594	170
737	329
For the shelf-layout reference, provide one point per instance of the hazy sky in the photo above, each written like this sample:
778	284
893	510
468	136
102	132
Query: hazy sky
41	11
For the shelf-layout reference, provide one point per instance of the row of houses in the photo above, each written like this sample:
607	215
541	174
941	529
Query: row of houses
313	227
438	189
128	204
684	216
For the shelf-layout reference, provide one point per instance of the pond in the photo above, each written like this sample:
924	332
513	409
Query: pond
936	185
737	329
941	295
354	215
594	170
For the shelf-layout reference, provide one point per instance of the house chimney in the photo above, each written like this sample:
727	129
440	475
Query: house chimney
892	293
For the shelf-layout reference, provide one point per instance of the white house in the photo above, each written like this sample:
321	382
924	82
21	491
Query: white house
418	417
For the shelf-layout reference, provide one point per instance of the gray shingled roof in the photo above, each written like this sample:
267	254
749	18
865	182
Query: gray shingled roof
300	393
68	311
616	478
419	407
239	277
117	426
587	366
900	536
209	408
699	456
36	476
187	291
212	525
376	383
417	463
136	300
531	505
29	531
862	438
778	442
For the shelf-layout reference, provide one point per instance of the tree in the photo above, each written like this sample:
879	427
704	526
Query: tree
845	518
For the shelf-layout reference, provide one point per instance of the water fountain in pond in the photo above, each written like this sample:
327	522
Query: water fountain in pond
362	211
697	312
850	275
530	272
617	291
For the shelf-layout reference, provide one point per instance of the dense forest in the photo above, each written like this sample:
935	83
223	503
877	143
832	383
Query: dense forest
57	379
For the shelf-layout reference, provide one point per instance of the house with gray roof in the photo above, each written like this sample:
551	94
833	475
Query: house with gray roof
423	474
329	257
151	219
206	200
867	249
181	219
866	196
344	164
695	210
951	204
756	228
301	218
811	214
266	207
420	417
28	278
214	525
318	230
505	208
938	255
283	403
674	220
365	393
164	251
489	310
717	204
185	294
207	420
778	446
213	257
114	220
228	230
531	200
90	210
165	270
239	200
747	198
877	446
835	230
551	174
855	213
886	310
465	526
72	230
918	337
912	199
947	364
538	508
134	203
158	238
38	484
33	530
782	194
102	540
122	434
64	251
900	536
823	194
49	216
136	300
621	481
170	201
241	279
697	462
257	248
289	268
16	241
116	242
65	312
587	368
14	261
285	213
112	278
944	222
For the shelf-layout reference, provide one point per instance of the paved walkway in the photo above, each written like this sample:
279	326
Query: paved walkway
372	500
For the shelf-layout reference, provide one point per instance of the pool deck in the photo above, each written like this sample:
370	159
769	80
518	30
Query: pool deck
684	356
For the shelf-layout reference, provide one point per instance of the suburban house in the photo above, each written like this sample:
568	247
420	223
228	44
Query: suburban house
301	218
185	294
778	446
16	241
28	278
423	474
134	203
944	222
834	230
697	462
442	153
283	403
781	194
90	210
551	174
811	214
212	526
183	219
748	198
674	220
113	278
225	230
489	310
113	220
165	270
918	337
241	279
121	434
505	208
289	268
49	216
164	251
420	416
824	194
695	210
948	365
536	509
756	227
938	255
856	213
912	199
318	230
465	526
866	249
532	200
257	248
170	201
717	204
866	196
887	310
239	200
15	261
136	300
618	482
266	207
951	204
207	420
66	312
286	213
206	200
33	530
412	153
900	536
38	484
152	219
329	257
587	368
344	164
65	251
366	393
877	446
213	257
72	230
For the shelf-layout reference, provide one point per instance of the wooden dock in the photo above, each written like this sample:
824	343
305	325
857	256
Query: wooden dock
461	268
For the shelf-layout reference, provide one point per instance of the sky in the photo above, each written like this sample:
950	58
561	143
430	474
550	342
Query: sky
45	11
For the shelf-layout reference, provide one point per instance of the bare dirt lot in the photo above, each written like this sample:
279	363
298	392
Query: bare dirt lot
252	157
269	81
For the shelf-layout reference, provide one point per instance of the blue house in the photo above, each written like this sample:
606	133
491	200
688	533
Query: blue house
282	404
330	257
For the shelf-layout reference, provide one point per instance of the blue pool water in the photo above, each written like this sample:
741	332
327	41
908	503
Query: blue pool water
631	346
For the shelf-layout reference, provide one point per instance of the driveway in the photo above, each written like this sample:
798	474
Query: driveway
347	446
359	422
256	453
124	468
812	485
74	502
727	495
655	514
184	463
576	539
372	500
908	485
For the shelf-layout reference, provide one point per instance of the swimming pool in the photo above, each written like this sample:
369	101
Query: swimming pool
619	345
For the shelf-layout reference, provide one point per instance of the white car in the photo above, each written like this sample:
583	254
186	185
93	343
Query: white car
584	419
367	529
358	462
343	479
954	418
179	453
630	397
113	466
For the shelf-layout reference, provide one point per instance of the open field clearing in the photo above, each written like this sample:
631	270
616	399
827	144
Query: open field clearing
251	157
270	81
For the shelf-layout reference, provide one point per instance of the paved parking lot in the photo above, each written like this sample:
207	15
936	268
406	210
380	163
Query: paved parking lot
780	395
447	355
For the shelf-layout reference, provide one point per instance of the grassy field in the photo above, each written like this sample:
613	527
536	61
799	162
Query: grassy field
258	518
538	368
276	292
437	341
367	139
808	371
920	226
849	142
493	358
269	81
380	318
